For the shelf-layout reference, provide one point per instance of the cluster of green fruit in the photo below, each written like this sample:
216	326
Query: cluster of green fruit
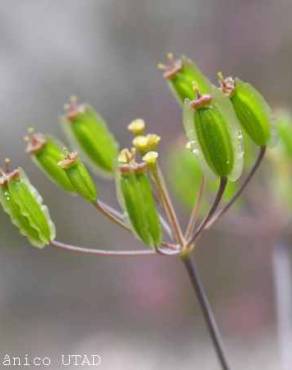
216	119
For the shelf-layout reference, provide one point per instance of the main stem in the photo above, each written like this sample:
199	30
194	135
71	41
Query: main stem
195	278
207	312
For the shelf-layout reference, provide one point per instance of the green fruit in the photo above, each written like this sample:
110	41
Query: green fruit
252	111
25	207
47	153
208	128
89	131
136	198
181	75
79	177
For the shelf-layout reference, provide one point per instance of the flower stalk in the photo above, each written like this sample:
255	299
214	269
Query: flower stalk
214	206
195	212
167	204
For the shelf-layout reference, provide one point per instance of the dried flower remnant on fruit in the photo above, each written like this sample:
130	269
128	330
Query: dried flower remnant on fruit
135	195
227	85
253	112
79	176
172	67
90	132
201	101
35	142
24	205
46	153
181	74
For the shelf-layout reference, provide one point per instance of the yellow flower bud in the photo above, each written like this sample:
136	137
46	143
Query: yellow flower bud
126	155
137	127
153	141
150	158
140	143
146	143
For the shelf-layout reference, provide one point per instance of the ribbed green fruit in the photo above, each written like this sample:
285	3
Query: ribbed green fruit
210	132
22	202
136	198
79	177
214	140
46	152
90	133
182	74
253	112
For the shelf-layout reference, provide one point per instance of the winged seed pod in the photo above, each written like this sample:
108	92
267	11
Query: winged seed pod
47	153
252	110
207	127
79	177
181	74
136	198
89	131
22	202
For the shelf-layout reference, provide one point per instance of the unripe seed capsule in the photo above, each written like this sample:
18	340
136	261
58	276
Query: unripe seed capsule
210	130
20	221
91	134
136	198
47	153
79	177
181	74
252	110
22	202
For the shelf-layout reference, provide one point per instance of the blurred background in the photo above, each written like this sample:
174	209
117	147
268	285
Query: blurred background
136	313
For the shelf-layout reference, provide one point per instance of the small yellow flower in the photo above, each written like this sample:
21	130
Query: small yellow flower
146	143
127	155
150	158
137	127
